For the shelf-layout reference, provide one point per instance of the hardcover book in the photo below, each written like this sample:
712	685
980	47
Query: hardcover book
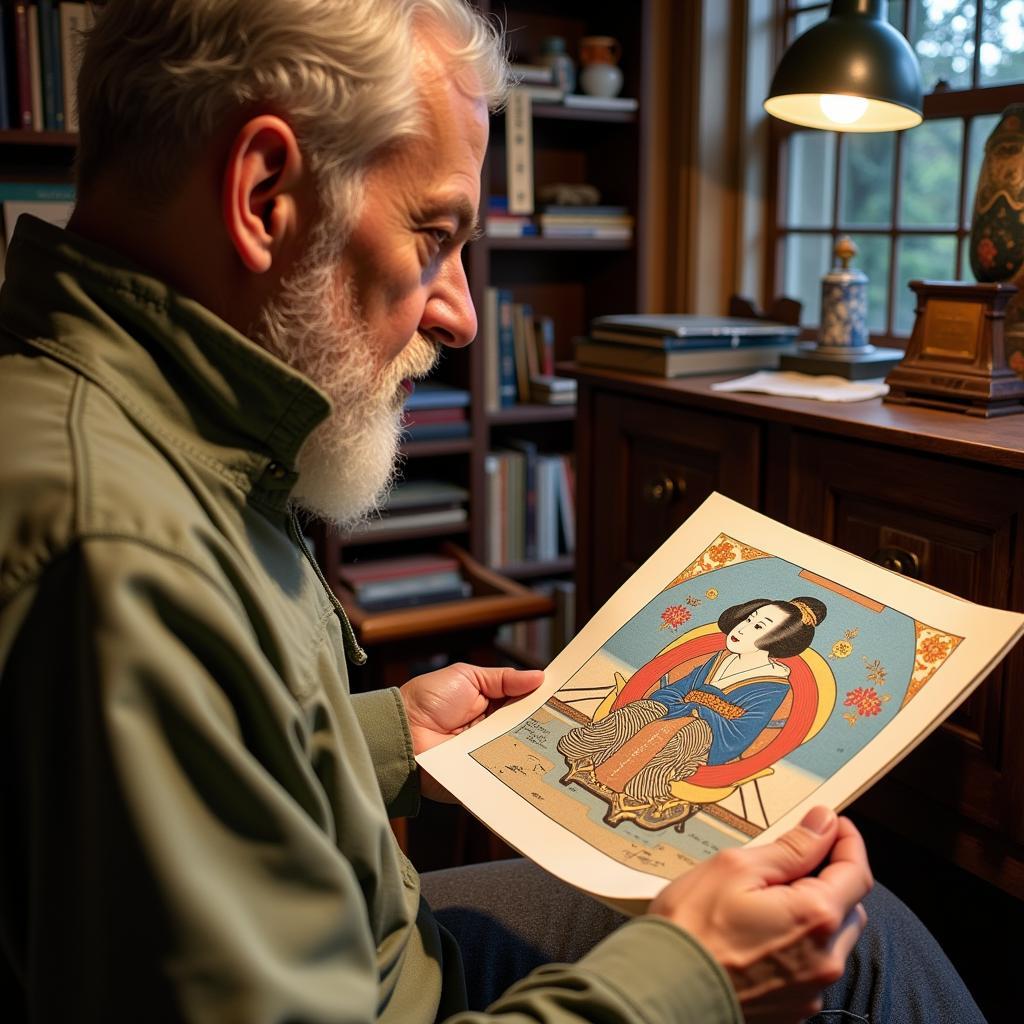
744	674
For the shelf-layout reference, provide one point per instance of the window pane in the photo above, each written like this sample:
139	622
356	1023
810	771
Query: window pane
1002	42
865	196
807	259
873	258
929	258
979	131
931	174
812	168
942	34
807	19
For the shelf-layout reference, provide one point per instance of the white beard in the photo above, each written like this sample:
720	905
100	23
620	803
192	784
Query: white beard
347	464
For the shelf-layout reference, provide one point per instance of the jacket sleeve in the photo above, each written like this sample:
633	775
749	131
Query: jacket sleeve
154	869
646	971
381	716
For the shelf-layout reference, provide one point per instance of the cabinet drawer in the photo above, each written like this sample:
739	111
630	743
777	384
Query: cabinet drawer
653	464
955	526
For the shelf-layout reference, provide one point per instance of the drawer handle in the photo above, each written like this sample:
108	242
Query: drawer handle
661	490
899	560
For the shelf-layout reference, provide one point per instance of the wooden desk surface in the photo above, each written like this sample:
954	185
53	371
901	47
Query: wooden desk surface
996	442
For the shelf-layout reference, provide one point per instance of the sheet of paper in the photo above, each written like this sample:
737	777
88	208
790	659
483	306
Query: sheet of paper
744	673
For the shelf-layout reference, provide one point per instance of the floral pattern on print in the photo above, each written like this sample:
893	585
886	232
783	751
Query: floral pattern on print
674	616
723	550
932	649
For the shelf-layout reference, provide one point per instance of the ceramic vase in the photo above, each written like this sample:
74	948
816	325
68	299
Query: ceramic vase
553	55
601	75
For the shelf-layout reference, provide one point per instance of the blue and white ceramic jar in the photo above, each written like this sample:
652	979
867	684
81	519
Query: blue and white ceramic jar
844	303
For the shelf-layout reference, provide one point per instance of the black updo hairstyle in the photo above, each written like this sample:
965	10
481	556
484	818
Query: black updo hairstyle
788	638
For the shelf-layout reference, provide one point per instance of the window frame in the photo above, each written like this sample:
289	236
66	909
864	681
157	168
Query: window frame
963	104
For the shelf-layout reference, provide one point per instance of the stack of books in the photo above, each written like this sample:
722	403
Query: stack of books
502	224
519	355
388	583
606	222
531	505
419	505
435	412
40	54
682	346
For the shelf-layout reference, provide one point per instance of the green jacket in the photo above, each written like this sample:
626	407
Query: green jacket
195	817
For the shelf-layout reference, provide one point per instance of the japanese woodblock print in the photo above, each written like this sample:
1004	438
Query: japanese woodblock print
719	706
743	674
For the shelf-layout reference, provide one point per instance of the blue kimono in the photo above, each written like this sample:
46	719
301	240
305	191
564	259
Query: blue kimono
756	700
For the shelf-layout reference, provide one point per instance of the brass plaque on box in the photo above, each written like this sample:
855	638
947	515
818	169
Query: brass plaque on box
952	330
955	358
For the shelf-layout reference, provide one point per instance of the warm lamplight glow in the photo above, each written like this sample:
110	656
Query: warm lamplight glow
843	109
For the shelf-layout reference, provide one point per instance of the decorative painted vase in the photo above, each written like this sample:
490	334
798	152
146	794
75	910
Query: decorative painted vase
997	224
844	303
553	55
600	76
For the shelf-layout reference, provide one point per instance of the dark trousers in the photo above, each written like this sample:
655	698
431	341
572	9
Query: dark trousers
510	917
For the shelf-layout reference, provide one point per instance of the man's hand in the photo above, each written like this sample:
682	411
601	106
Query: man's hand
441	704
781	935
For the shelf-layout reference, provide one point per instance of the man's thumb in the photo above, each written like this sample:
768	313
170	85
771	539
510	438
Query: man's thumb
800	850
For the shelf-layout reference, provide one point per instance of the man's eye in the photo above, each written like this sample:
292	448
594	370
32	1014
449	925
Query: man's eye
440	236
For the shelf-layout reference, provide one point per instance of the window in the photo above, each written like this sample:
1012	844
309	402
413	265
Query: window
904	198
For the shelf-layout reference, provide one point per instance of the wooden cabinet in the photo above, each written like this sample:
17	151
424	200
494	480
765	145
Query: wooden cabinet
935	495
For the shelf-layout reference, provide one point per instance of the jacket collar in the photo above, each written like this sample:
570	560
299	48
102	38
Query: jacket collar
171	364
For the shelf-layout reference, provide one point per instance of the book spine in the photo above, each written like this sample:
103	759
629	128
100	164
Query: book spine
506	348
519	152
24	74
5	68
521	315
47	52
492	358
35	69
546	345
72	25
58	69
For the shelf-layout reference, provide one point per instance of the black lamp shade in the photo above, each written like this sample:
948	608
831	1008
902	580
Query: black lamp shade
854	53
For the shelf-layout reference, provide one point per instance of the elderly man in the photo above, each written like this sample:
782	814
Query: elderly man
273	200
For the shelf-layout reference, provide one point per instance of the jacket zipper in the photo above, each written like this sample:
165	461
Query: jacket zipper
354	652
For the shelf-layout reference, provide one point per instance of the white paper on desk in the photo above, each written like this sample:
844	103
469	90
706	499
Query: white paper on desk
890	659
790	384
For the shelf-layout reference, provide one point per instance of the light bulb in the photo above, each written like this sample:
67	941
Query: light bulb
843	109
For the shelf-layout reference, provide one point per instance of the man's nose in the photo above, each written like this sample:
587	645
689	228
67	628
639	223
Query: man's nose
449	317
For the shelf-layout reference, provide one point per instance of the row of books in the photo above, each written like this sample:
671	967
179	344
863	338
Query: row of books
435	412
40	54
383	584
531	504
519	355
559	221
539	641
681	345
418	505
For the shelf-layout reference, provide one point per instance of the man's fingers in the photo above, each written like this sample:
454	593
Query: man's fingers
848	873
496	683
797	852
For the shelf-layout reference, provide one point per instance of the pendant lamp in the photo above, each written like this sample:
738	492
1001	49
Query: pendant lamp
852	72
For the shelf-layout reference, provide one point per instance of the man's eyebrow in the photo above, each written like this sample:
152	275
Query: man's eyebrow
464	211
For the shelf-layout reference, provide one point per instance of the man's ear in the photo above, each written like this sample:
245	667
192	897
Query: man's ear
265	181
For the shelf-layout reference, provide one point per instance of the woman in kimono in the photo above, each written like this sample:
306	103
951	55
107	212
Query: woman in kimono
709	716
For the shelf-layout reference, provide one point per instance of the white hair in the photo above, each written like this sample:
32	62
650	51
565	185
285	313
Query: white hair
160	77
